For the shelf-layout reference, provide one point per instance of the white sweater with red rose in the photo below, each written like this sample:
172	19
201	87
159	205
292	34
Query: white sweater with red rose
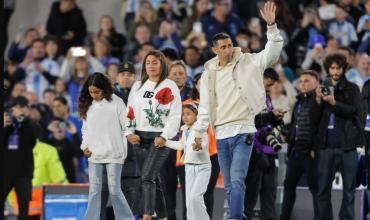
153	109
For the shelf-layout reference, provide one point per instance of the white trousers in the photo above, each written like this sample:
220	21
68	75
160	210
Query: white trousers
196	182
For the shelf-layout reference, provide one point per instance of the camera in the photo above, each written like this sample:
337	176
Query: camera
266	136
63	125
325	90
273	142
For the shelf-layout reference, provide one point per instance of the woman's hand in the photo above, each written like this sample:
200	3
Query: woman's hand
159	142
87	153
133	139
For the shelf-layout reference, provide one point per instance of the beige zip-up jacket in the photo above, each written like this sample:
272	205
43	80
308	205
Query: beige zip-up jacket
247	74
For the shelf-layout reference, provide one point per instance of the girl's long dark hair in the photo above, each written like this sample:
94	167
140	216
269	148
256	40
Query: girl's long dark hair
100	81
163	70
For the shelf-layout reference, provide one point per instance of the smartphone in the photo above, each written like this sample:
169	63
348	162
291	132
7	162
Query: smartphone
255	22
78	51
197	27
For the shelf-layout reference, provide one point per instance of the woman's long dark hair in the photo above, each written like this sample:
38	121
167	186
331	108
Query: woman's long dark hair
100	81
163	70
194	93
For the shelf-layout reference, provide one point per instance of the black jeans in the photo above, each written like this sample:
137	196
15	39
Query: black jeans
328	161
152	160
299	163
208	196
23	189
261	182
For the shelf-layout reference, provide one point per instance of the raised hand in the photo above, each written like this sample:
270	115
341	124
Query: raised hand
268	12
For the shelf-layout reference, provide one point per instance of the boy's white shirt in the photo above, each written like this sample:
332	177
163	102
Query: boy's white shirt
191	156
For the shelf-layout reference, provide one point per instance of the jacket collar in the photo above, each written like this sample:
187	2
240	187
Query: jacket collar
213	63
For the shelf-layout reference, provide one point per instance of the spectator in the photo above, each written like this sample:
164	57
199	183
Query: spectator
61	90
193	23
353	9
23	41
66	21
315	54
61	112
340	117
167	35
41	72
341	29
108	31
144	15
172	10
139	59
68	68
280	100
221	20
310	25
112	72
193	59
177	73
48	97
9	6
68	149
243	39
20	136
13	74
171	54
199	41
363	30
53	50
142	35
102	52
359	74
125	80
31	97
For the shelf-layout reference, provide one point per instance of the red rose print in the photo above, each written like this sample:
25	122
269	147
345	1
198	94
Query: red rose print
130	113
164	96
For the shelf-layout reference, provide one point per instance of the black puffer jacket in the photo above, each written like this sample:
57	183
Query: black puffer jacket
348	117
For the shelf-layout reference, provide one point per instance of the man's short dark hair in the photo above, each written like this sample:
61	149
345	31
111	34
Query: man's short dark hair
350	51
219	36
192	47
170	53
312	73
336	58
38	40
49	91
271	73
61	99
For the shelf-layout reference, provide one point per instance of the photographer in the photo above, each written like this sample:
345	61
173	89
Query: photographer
339	133
20	136
262	173
301	151
68	149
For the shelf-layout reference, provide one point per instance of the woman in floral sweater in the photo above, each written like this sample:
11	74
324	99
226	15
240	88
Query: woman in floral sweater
154	114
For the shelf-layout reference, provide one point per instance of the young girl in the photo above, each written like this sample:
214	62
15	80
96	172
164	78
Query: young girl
197	164
104	144
154	114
